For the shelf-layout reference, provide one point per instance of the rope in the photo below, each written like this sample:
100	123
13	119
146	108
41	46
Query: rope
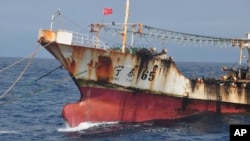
32	82
16	62
24	70
34	92
48	86
47	73
21	74
61	20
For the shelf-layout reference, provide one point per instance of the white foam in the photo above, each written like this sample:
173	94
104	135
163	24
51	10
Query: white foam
84	126
8	132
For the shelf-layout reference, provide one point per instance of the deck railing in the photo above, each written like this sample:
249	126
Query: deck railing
81	39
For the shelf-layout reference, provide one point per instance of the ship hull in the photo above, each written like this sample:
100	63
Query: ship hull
109	105
136	86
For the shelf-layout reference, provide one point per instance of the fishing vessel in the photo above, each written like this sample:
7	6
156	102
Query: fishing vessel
128	82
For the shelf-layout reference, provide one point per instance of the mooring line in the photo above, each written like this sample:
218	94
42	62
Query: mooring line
47	73
45	88
32	82
16	62
24	70
21	74
35	92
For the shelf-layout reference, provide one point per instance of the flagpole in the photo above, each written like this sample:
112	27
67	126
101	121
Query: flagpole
102	15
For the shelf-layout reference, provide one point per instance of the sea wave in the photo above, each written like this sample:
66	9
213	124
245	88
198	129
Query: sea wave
9	132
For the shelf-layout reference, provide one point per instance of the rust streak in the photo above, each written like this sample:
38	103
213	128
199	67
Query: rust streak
105	68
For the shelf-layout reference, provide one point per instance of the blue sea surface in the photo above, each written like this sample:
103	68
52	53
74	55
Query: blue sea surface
32	109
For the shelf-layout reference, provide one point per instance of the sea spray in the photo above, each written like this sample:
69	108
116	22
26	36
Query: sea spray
84	126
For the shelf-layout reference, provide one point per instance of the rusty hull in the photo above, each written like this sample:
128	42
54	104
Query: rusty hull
134	72
135	87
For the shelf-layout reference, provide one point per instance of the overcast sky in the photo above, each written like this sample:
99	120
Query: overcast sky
20	21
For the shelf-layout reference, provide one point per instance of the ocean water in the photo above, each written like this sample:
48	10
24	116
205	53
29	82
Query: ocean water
32	109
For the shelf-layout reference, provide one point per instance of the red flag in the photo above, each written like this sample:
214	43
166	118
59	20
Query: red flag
107	11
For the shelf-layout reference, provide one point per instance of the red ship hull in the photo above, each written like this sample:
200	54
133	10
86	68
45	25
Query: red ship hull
99	104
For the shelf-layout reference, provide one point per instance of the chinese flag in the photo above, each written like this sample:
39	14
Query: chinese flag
107	11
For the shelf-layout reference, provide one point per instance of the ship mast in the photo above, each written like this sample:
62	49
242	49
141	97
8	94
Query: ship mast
124	39
239	73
